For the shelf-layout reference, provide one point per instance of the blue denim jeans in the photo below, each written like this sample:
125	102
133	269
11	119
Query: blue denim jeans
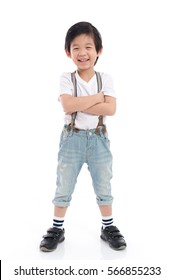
75	149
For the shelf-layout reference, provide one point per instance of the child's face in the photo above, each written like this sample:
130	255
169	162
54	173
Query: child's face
83	52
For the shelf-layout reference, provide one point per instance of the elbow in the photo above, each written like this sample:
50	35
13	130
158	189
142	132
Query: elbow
112	111
66	102
67	108
67	111
111	114
110	105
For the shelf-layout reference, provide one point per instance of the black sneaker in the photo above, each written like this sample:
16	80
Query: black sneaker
113	237
51	239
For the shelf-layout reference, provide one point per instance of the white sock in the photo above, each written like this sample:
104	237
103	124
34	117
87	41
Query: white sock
107	221
58	222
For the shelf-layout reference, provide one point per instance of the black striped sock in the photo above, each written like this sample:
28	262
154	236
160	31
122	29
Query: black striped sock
107	221
58	222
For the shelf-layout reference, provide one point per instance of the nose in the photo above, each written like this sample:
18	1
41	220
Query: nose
82	52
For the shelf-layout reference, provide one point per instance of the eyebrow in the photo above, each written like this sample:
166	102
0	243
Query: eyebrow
87	44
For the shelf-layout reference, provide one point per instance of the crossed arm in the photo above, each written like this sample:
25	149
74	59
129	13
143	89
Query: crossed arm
96	104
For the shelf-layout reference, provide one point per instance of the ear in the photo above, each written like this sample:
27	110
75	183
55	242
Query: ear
68	53
100	52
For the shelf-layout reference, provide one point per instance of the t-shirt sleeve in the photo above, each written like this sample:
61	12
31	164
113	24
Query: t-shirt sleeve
65	84
108	85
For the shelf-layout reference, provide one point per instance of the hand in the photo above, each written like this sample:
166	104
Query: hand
100	96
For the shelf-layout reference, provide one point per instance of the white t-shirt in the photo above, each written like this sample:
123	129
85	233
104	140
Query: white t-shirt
84	120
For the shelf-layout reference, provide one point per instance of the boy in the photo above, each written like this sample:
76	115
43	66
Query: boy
84	137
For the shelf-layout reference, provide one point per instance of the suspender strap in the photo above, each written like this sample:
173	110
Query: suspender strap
73	115
100	118
99	81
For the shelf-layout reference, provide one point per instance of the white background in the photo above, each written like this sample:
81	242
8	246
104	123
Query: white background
138	53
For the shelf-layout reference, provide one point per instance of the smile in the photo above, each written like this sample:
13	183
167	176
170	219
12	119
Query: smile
83	60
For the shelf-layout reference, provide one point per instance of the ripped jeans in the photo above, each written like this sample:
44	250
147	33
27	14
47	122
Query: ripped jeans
75	149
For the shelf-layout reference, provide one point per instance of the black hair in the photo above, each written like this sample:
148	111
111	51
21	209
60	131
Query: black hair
83	27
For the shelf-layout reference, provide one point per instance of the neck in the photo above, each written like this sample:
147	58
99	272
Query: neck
86	75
